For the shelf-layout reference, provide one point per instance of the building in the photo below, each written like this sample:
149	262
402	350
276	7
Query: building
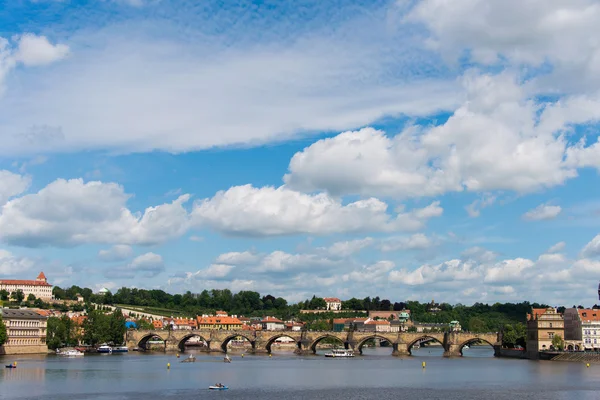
294	326
103	291
39	287
26	332
333	303
272	324
219	323
389	315
583	325
377	325
543	324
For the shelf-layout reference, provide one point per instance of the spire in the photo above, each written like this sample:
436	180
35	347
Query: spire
41	277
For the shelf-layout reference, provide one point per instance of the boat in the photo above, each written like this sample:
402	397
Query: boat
218	387
120	349
11	366
191	358
466	347
339	353
71	353
227	359
105	349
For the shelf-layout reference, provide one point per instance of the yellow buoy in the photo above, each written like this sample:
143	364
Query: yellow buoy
168	365
242	355
587	365
177	355
270	354
423	364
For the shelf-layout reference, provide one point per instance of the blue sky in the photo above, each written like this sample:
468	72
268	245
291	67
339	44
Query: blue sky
407	150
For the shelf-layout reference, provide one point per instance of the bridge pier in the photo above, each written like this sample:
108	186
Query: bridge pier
400	350
304	348
452	350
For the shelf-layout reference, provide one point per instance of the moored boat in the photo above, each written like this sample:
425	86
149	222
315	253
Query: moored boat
339	353
120	349
70	353
105	349
218	387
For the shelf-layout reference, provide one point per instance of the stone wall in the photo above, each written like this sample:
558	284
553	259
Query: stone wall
33	349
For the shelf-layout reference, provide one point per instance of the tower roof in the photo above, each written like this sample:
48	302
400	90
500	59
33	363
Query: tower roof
41	276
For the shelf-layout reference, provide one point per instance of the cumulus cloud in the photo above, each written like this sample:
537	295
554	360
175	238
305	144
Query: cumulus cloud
348	247
474	209
238	258
372	272
268	211
13	265
542	212
592	249
417	241
119	252
522	149
558	247
72	212
12	184
151	264
214	271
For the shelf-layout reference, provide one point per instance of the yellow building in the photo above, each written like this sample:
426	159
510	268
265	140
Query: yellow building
219	323
39	287
26	332
543	324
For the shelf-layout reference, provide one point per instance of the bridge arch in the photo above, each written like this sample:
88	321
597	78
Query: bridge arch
471	341
143	342
422	338
315	342
361	343
181	344
233	336
273	338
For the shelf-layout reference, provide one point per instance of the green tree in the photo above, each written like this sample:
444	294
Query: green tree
558	342
18	296
117	327
3	334
31	297
4	295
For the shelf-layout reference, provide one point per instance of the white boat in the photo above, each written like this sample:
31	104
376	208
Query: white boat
70	353
218	387
120	349
339	353
466	347
105	349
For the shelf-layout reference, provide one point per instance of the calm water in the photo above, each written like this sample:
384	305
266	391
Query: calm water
376	375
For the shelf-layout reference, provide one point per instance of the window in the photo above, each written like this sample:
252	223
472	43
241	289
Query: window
550	324
550	335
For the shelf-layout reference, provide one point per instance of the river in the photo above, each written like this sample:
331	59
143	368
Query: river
375	375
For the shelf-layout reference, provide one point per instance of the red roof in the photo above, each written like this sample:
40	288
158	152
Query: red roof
271	319
377	322
219	321
332	300
23	282
41	276
589	315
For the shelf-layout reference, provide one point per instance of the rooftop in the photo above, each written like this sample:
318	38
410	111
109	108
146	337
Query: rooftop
8	313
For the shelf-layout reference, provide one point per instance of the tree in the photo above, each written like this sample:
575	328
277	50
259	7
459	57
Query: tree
31	297
18	296
3	334
4	295
558	342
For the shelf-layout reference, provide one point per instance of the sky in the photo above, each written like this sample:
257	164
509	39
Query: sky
412	150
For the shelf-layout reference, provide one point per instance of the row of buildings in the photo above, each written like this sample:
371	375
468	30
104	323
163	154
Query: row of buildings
578	327
39	287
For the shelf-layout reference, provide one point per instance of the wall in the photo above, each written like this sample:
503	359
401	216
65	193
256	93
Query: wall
35	349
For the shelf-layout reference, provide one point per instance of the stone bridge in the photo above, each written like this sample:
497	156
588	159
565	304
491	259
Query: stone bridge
307	341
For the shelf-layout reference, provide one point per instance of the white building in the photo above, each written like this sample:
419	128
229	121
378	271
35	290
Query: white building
583	325
333	303
39	287
272	324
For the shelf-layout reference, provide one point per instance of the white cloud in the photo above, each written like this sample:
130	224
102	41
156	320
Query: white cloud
348	248
592	249
558	247
12	185
479	254
542	212
237	258
370	273
417	241
508	270
150	263
500	139
72	212
119	252
13	265
280	261
474	209
37	50
267	211
214	271
206	89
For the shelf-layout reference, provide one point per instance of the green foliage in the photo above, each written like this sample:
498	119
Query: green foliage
104	328
3	333
558	342
61	332
4	295
31	297
145	325
514	335
18	296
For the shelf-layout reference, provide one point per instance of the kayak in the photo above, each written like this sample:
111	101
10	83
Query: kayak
218	387
11	366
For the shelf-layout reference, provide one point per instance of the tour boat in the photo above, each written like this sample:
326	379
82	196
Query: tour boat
105	349
218	387
340	353
71	353
120	349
